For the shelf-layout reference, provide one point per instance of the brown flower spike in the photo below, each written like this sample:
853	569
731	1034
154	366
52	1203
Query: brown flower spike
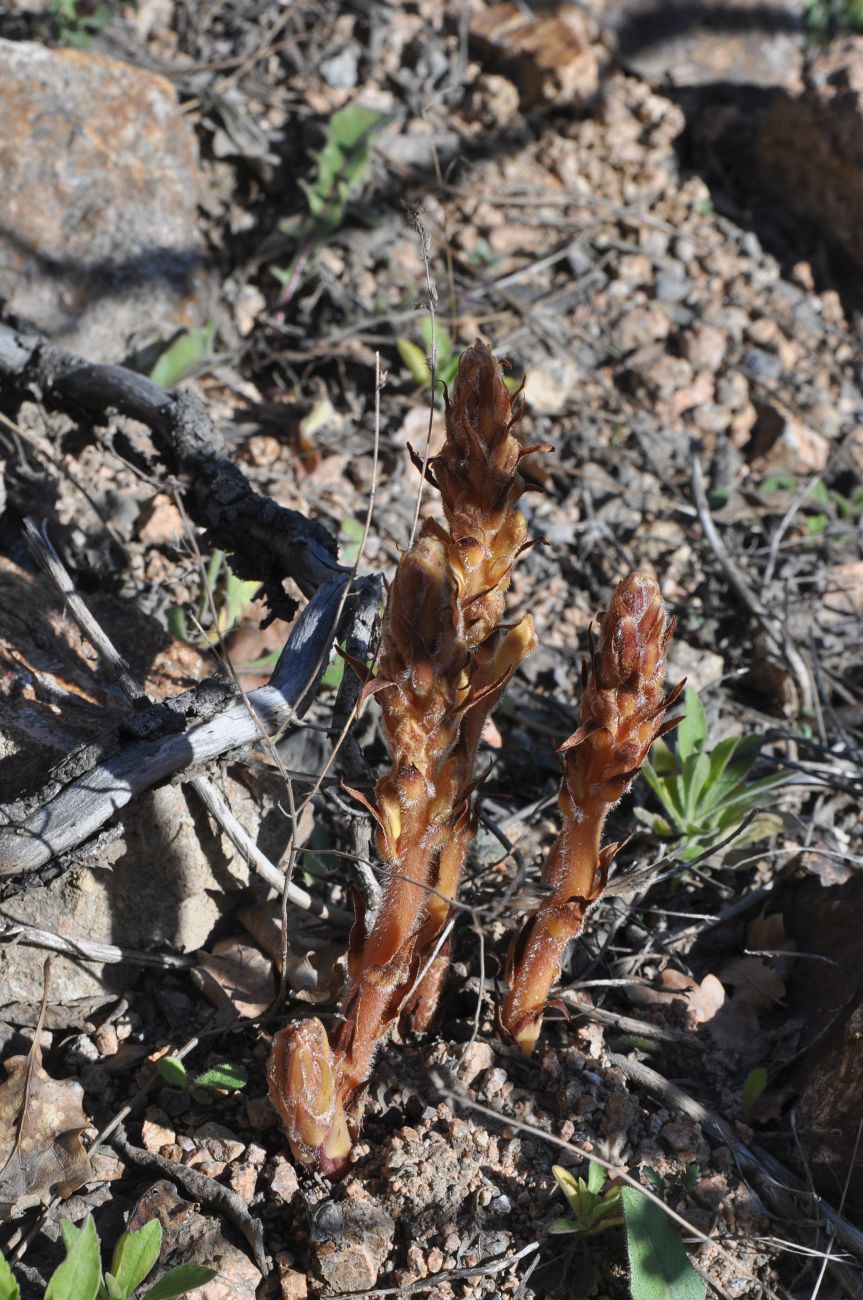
446	656
622	712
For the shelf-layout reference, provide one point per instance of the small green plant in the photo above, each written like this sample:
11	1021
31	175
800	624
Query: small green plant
76	22
753	1086
824	19
593	1210
80	1276
821	505
188	352
230	596
342	168
659	1268
704	792
221	1077
416	358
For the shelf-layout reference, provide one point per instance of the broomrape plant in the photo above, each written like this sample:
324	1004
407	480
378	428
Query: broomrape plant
447	654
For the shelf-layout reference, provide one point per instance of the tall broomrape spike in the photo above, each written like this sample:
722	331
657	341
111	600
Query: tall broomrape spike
446	656
622	712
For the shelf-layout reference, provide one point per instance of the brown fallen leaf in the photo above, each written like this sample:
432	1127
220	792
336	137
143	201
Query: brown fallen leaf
702	1000
41	1122
236	976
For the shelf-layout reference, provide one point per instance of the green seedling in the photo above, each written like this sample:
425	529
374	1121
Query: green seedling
824	19
704	792
658	1265
822	505
416	358
76	22
80	1275
753	1086
592	1209
187	354
342	169
230	596
223	1077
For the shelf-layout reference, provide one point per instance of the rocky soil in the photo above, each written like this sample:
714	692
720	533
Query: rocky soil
656	218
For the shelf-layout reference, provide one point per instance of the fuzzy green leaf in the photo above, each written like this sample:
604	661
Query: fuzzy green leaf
173	1071
754	1085
135	1256
186	1277
568	1184
78	1277
692	732
415	360
224	1075
9	1289
596	1176
184	355
696	770
659	1268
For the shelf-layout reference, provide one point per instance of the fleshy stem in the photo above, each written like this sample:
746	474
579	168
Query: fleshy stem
622	713
446	656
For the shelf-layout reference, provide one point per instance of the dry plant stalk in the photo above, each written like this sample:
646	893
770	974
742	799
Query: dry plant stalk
446	656
622	713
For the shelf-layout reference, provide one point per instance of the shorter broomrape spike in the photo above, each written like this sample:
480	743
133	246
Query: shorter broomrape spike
302	1079
622	713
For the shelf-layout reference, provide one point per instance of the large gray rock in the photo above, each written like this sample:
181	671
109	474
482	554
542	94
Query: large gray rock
99	245
740	41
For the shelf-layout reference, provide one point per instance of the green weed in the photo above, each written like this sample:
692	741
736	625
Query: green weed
222	1077
705	792
342	169
659	1268
80	1276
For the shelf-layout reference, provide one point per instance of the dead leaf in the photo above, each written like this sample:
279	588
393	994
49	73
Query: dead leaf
236	976
702	1000
41	1122
755	982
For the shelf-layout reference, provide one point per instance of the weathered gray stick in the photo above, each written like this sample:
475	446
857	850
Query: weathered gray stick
83	806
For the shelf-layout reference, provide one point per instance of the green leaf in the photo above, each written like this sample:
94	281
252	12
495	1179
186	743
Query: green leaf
778	483
9	1289
224	1075
112	1290
173	1071
659	1268
668	791
696	770
441	338
692	732
655	821
70	1232
596	1176
754	1085
135	1256
662	757
415	360
568	1184
180	1280
559	1226
78	1277
184	355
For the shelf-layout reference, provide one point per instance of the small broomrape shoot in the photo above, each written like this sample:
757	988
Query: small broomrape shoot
446	657
622	711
